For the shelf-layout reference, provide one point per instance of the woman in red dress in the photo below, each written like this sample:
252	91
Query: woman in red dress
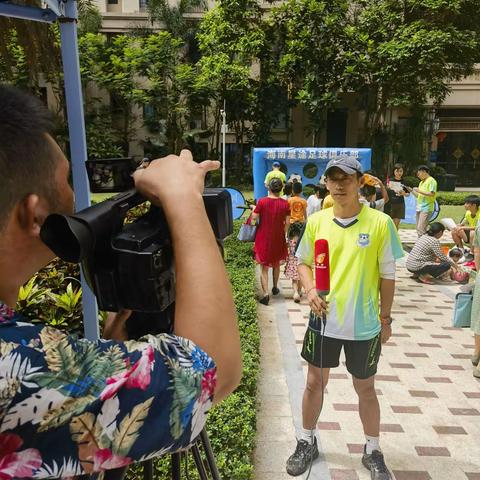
270	244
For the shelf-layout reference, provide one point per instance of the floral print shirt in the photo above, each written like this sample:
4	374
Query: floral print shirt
70	406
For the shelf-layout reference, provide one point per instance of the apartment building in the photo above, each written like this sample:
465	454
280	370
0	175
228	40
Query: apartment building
455	146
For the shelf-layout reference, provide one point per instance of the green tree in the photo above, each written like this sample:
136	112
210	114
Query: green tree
112	65
231	38
171	89
406	54
307	50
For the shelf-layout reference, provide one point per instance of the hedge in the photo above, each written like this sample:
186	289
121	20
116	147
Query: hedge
453	198
53	296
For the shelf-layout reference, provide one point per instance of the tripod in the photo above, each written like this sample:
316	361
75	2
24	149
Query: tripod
205	467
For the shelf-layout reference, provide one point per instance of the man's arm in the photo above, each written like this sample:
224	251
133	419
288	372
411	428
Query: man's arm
387	292
317	304
204	311
385	196
287	224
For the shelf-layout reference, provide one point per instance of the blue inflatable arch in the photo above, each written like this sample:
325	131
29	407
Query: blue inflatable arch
309	163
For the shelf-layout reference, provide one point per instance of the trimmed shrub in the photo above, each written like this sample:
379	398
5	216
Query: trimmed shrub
452	198
411	181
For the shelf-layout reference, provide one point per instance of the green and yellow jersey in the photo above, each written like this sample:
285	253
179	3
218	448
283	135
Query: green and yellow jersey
424	203
357	252
471	220
275	174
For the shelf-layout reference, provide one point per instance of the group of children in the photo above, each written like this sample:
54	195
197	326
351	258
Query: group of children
300	209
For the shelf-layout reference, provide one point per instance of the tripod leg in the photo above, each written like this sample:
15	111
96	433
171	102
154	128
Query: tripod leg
209	454
148	470
175	464
199	462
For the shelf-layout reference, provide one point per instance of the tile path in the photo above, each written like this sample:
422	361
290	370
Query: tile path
430	402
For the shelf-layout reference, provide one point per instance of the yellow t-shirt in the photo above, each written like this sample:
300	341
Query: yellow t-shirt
470	220
275	174
298	209
427	204
356	252
327	202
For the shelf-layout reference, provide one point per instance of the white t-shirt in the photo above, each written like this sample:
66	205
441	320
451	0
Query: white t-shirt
314	204
376	204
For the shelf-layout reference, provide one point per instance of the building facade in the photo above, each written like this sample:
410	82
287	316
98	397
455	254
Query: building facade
455	147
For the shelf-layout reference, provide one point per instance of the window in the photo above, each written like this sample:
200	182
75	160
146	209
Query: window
143	4
113	2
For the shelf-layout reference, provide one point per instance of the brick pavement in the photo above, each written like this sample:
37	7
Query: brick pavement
430	402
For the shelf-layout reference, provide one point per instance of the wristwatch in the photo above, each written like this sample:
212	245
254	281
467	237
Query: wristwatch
386	320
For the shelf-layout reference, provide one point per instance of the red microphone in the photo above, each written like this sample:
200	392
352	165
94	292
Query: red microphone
322	267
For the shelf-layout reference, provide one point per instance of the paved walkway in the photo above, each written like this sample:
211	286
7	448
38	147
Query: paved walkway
429	399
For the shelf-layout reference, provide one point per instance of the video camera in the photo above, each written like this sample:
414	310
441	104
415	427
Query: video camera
128	265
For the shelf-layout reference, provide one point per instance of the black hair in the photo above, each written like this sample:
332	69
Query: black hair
435	228
368	190
423	168
276	185
398	166
287	189
473	199
321	189
295	229
455	252
27	160
297	188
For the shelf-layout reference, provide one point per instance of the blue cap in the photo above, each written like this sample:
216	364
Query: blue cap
276	164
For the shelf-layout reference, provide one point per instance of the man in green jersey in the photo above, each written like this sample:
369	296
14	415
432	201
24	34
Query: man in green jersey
275	173
363	244
426	192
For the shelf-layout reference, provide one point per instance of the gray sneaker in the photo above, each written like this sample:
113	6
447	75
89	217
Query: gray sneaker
304	455
376	464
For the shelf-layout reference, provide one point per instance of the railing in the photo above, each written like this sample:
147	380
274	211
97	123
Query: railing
460	124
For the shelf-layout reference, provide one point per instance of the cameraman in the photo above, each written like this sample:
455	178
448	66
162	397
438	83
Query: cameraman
69	406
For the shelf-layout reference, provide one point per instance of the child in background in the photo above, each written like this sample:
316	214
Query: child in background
314	202
465	232
462	275
291	270
368	193
287	190
298	205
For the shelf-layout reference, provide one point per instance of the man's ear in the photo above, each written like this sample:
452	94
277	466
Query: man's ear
362	180
32	212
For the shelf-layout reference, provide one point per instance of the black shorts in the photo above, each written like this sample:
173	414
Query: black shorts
362	355
397	210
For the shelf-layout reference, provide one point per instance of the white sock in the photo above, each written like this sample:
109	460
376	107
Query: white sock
308	435
373	443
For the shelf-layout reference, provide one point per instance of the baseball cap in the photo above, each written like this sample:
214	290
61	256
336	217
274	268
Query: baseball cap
346	164
276	164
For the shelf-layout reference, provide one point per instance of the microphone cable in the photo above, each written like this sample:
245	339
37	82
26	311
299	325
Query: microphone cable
322	335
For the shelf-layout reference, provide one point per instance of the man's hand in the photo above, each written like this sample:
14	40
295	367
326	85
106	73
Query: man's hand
317	303
173	179
386	333
116	326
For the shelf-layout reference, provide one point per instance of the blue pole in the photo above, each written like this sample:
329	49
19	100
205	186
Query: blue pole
78	145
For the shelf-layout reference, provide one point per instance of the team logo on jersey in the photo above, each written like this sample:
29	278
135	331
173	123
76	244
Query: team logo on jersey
363	240
320	258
